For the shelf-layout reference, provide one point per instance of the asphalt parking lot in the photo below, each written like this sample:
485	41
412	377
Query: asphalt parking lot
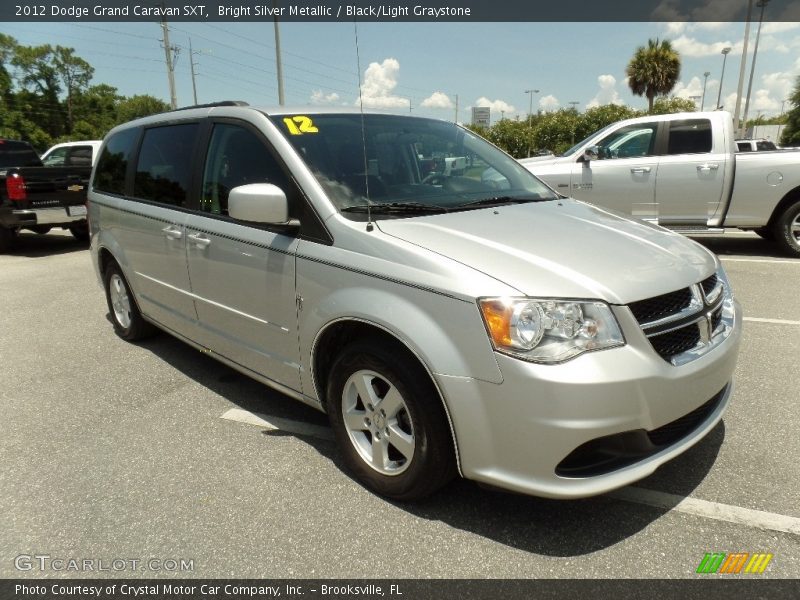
119	451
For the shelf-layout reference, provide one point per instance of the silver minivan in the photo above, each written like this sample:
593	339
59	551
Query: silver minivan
448	323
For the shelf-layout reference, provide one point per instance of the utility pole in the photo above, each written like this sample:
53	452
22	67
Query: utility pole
736	125
725	52
191	66
456	120
278	64
168	50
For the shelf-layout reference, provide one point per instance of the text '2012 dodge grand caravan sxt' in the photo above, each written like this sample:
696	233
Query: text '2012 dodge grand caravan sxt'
448	324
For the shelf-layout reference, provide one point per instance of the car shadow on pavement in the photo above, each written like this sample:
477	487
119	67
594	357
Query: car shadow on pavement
34	245
557	528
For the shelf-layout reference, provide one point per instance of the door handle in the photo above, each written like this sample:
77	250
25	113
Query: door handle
708	167
199	239
640	170
172	232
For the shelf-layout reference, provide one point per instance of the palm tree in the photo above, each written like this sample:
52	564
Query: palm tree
654	70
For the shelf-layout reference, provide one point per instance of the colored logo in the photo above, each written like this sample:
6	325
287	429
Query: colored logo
734	563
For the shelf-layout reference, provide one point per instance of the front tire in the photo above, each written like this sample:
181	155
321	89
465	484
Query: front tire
389	421
125	316
787	230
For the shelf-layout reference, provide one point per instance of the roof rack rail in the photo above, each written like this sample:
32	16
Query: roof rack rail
213	104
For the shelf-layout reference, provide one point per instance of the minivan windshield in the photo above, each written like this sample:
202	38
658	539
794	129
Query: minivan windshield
403	166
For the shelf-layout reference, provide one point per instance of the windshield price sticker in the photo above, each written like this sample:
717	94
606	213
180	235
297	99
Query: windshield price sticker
299	125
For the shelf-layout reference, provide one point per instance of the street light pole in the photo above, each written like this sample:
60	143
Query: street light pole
530	115
705	81
725	52
761	4
736	123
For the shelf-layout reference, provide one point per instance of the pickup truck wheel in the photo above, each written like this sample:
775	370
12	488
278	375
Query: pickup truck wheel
787	230
125	315
80	232
389	422
41	229
6	239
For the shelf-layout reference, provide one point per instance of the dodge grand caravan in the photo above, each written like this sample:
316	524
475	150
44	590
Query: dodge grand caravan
448	325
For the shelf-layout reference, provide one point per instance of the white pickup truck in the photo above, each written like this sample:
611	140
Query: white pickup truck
682	171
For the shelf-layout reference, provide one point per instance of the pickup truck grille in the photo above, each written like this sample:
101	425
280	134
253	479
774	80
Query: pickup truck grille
681	321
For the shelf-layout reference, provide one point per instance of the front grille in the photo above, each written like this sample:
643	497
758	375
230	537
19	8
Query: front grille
683	320
709	284
662	306
676	342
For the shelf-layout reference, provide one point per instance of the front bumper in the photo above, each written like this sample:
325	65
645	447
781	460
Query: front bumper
514	435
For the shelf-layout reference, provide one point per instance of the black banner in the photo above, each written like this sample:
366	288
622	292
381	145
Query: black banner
706	587
392	10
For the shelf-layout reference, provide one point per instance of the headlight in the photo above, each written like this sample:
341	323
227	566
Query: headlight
549	331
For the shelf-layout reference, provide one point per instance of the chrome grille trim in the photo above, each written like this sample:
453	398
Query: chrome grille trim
704	322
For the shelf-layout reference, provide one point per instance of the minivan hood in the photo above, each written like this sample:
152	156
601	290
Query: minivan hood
562	248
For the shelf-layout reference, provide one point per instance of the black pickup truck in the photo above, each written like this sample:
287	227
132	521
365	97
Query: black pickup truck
39	198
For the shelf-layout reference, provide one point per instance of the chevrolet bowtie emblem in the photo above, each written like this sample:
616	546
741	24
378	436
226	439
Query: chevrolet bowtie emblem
74	188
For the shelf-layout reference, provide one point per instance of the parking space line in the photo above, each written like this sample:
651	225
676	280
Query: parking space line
276	423
761	260
776	321
710	510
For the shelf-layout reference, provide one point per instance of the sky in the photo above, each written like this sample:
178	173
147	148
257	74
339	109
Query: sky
428	69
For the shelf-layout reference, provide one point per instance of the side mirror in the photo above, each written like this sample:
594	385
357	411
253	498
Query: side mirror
258	203
591	153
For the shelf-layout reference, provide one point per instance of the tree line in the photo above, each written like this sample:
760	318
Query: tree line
47	96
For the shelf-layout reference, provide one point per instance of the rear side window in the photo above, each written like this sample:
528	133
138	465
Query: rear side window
164	170
113	163
765	145
18	154
692	136
80	156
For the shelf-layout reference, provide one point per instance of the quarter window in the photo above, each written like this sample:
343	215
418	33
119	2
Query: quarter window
236	156
163	172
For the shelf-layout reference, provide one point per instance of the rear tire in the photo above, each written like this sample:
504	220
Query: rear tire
125	316
80	231
787	230
41	229
6	239
389	421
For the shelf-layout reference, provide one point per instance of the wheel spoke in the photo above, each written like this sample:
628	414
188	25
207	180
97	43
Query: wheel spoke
403	442
354	420
391	403
364	387
380	453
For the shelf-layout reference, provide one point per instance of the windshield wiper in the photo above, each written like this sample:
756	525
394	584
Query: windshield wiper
396	207
498	201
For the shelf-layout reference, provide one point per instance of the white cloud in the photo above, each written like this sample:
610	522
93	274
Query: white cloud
690	47
778	27
549	103
687	90
607	94
498	107
380	79
320	97
437	100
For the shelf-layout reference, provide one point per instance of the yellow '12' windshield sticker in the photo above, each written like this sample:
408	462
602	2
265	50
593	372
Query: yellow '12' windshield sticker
300	124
